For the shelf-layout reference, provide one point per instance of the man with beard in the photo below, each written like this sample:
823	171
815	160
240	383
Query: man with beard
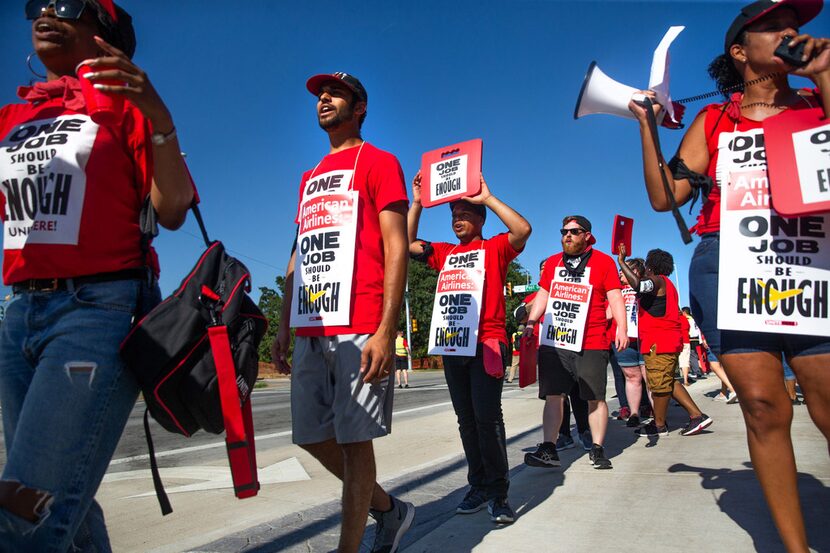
580	283
475	372
346	279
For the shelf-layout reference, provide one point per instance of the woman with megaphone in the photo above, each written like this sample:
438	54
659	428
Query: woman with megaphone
763	46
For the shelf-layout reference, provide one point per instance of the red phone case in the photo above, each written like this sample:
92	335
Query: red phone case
450	173
623	227
780	135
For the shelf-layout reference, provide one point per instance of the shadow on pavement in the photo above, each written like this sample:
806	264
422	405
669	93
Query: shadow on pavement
742	500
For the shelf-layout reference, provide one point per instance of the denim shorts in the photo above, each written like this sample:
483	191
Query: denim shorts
630	356
703	297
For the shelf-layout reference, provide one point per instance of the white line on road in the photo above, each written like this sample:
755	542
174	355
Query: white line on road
260	438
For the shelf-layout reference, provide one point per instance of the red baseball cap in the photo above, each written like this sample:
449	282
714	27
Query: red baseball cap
805	10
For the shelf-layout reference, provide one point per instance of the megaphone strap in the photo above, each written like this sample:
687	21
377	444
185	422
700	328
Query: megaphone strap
726	90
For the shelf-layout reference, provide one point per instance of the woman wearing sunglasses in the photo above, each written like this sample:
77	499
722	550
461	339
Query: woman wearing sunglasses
73	191
754	78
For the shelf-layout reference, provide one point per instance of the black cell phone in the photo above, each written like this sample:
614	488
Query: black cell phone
791	55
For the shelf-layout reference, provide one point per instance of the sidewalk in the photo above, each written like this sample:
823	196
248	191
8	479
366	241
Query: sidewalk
673	494
677	493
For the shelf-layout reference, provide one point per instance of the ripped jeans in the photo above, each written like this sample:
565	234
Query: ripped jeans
66	397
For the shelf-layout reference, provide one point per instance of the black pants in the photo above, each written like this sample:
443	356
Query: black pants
580	410
476	398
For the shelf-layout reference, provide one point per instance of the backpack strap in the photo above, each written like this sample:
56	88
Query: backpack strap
239	434
161	495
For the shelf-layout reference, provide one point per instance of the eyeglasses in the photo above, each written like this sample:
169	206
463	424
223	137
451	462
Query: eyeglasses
573	231
64	9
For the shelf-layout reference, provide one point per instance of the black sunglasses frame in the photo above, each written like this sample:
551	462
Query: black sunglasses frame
36	8
572	231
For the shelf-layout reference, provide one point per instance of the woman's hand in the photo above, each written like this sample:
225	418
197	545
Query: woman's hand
817	50
639	109
136	88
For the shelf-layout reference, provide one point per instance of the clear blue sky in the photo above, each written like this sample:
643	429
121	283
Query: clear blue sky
233	75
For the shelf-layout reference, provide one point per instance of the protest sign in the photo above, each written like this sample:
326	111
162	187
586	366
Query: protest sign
798	155
566	315
774	270
457	307
451	173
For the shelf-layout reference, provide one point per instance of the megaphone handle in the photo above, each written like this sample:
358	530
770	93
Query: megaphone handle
652	123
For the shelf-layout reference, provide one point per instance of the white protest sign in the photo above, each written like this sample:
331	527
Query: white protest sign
324	268
457	308
566	315
774	270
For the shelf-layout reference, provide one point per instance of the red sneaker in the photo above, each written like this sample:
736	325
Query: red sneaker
624	413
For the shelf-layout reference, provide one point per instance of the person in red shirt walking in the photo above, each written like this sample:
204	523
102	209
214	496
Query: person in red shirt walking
575	288
661	342
81	271
474	369
343	291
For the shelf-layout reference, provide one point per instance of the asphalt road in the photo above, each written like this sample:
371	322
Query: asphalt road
272	420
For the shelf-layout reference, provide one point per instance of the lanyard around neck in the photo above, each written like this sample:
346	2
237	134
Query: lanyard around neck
354	169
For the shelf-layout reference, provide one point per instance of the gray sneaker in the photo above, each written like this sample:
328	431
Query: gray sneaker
392	525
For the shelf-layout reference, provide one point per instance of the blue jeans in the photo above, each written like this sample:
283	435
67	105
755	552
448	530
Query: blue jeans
66	397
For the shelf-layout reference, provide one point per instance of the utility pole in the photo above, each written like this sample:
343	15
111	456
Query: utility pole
408	326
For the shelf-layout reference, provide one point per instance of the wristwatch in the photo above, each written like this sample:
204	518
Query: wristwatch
160	139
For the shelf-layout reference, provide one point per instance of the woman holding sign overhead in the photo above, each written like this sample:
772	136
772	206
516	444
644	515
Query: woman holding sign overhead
468	330
753	303
78	156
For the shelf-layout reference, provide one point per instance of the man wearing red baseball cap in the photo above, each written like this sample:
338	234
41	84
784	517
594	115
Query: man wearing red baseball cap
575	288
343	291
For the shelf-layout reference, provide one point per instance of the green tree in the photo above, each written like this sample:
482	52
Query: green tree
270	303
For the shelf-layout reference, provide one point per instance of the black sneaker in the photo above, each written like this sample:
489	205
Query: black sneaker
633	421
598	458
545	456
392	525
473	502
652	429
500	511
696	425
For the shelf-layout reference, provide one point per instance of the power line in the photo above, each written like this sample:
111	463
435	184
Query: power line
235	252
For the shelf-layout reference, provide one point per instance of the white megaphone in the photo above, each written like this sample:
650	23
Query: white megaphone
602	94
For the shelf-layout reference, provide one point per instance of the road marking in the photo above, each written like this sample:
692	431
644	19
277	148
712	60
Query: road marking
214	478
215	445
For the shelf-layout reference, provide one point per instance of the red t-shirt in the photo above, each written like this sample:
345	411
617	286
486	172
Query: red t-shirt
719	121
498	255
379	181
70	190
604	277
663	331
529	302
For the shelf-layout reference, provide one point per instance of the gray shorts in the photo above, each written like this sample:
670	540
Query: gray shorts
328	396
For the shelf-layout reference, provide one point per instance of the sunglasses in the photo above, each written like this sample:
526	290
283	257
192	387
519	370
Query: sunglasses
572	231
64	9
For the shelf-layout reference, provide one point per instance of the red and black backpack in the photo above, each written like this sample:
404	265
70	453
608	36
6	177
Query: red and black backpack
195	358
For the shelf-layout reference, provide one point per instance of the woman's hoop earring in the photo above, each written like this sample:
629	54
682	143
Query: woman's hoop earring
29	65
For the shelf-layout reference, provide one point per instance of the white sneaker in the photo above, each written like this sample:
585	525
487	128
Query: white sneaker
732	398
719	397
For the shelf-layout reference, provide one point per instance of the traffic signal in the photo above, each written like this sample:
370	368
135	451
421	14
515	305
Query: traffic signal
414	325
509	289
